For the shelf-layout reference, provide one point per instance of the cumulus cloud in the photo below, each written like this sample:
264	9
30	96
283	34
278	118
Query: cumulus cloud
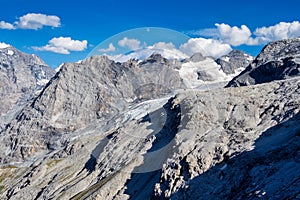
110	48
37	21
282	30
33	21
132	44
234	35
63	45
207	47
6	25
163	45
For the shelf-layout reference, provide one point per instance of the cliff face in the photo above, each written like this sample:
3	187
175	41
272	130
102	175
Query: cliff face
234	143
22	76
277	61
106	130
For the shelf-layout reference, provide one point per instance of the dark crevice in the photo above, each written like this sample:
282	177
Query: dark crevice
144	177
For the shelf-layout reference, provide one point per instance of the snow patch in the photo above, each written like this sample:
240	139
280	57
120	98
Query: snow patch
42	82
226	58
59	67
10	52
3	45
188	73
297	60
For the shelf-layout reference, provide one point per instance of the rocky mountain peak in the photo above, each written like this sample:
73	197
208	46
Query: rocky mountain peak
277	50
144	130
278	60
234	60
156	58
22	77
197	57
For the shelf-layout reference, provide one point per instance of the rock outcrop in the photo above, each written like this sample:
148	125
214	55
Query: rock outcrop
234	143
277	61
235	60
22	76
135	130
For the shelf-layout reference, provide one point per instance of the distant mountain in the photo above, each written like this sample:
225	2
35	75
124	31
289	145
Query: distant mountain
277	61
200	71
235	60
22	76
103	89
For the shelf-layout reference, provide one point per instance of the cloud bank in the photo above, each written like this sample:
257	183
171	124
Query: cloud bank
63	45
33	21
236	36
110	48
132	44
207	47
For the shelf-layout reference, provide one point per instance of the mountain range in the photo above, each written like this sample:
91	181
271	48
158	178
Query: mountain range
157	128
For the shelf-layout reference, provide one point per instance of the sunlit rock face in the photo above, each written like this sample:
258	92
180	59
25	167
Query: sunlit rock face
158	128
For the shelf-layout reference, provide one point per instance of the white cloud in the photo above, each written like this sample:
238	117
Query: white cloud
282	30
207	47
32	21
37	21
5	25
164	45
234	35
133	44
110	48
63	45
167	50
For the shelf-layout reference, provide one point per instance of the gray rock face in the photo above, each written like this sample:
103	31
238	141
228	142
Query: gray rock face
278	60
233	143
234	60
92	91
21	77
106	130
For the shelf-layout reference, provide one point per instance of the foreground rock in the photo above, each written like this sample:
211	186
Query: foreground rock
141	130
227	143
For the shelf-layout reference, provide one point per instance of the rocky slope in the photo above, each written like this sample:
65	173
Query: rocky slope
137	130
277	61
21	77
96	90
226	143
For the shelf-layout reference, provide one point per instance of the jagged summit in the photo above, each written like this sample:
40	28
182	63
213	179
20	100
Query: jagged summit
21	77
278	60
234	60
279	49
102	129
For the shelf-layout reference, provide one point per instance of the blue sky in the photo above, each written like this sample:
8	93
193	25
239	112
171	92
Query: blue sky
90	22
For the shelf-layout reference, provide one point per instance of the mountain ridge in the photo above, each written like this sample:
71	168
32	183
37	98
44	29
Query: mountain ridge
107	130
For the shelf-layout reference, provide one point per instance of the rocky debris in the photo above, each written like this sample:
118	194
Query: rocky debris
22	76
233	143
107	130
233	61
93	90
277	61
